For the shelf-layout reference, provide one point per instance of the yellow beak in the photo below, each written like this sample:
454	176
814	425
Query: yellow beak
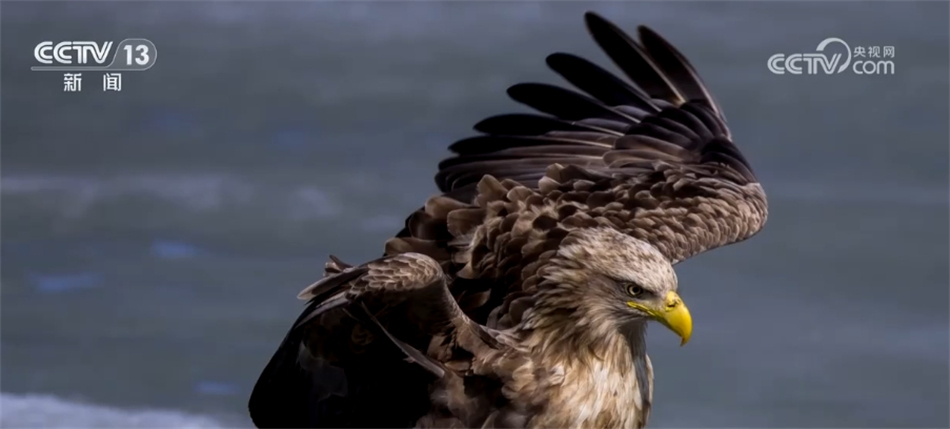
673	314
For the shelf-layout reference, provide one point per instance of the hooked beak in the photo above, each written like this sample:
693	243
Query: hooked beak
673	314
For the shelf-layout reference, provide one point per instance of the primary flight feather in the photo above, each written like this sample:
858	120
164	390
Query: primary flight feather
519	297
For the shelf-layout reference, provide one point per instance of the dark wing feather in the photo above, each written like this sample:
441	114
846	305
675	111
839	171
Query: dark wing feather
675	65
564	103
633	60
357	344
599	83
524	124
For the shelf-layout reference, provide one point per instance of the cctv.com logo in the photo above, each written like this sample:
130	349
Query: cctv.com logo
868	60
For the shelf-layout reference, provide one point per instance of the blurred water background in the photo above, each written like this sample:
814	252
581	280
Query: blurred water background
154	239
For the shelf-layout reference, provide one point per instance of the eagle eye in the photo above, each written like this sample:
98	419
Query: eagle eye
634	290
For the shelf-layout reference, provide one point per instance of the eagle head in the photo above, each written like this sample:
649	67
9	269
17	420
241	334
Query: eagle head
617	279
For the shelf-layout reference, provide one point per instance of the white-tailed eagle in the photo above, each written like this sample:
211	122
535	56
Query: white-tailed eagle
520	295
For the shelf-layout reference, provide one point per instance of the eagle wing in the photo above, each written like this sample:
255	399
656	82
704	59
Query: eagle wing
357	344
654	160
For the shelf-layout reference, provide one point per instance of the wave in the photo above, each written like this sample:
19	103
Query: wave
46	411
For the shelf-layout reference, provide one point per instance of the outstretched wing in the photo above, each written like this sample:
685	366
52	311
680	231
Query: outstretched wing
358	344
661	148
653	159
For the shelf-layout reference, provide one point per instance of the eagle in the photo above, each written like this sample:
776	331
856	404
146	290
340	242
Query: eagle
519	296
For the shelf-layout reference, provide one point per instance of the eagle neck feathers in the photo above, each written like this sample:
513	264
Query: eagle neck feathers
598	369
